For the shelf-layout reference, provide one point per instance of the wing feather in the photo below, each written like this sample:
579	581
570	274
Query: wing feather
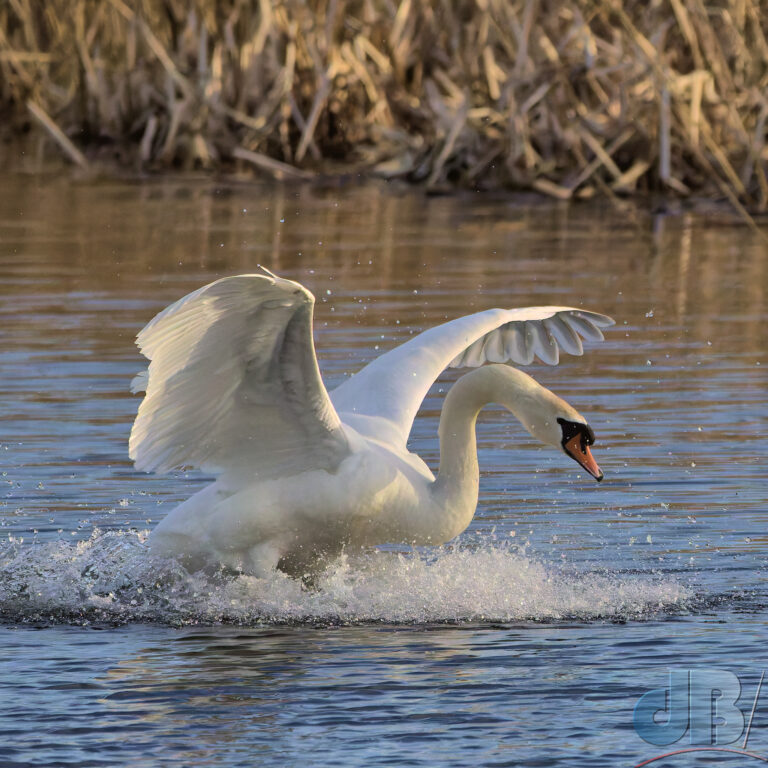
582	323
233	383
515	345
493	348
566	338
383	398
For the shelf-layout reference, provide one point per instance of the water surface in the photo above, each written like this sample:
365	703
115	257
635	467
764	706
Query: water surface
525	642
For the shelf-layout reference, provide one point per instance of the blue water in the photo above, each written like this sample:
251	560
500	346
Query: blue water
529	639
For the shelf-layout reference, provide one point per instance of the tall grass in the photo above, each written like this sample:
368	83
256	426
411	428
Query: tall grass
568	97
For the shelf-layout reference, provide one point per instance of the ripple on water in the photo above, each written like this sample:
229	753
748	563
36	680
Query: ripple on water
111	577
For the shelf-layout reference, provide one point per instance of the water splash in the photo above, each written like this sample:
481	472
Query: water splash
111	577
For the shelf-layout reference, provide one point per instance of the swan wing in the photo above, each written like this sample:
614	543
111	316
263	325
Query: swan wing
233	383
383	398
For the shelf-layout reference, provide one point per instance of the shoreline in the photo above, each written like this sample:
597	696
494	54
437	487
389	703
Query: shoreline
57	169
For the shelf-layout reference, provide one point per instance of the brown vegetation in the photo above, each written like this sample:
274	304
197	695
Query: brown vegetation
568	97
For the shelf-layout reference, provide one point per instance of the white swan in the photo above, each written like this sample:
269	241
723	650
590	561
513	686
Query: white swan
233	388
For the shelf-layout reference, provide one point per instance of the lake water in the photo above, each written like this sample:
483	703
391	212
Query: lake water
527	641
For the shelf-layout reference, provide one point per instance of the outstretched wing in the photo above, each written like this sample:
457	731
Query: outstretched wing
233	383
385	395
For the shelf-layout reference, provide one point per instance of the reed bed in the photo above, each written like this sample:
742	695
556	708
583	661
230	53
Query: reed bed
572	98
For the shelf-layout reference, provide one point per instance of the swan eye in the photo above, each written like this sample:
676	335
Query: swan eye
572	429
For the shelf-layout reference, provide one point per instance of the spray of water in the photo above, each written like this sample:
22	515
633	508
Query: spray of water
110	577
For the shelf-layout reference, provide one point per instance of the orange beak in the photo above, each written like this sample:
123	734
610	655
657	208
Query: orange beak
583	455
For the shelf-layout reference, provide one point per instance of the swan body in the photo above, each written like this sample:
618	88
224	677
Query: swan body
233	388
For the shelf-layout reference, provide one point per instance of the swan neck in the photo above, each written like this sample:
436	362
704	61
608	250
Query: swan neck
457	484
458	446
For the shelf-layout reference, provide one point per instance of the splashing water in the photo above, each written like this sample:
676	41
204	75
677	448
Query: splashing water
111	577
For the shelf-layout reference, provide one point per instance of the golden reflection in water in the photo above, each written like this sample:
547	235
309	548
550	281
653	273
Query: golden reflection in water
154	241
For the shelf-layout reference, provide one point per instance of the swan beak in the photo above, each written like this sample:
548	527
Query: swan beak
583	455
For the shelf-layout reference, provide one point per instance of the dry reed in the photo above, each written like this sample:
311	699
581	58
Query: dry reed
571	98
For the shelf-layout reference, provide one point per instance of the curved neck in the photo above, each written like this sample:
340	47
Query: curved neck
456	487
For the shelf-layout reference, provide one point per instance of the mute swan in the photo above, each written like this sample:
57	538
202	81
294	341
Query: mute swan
233	388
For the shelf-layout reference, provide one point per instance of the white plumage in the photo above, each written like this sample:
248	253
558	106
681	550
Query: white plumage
233	388
233	383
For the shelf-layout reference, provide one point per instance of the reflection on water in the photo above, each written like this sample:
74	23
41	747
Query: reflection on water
677	396
485	695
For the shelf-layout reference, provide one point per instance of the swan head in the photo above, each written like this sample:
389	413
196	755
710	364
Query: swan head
564	428
547	417
577	436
